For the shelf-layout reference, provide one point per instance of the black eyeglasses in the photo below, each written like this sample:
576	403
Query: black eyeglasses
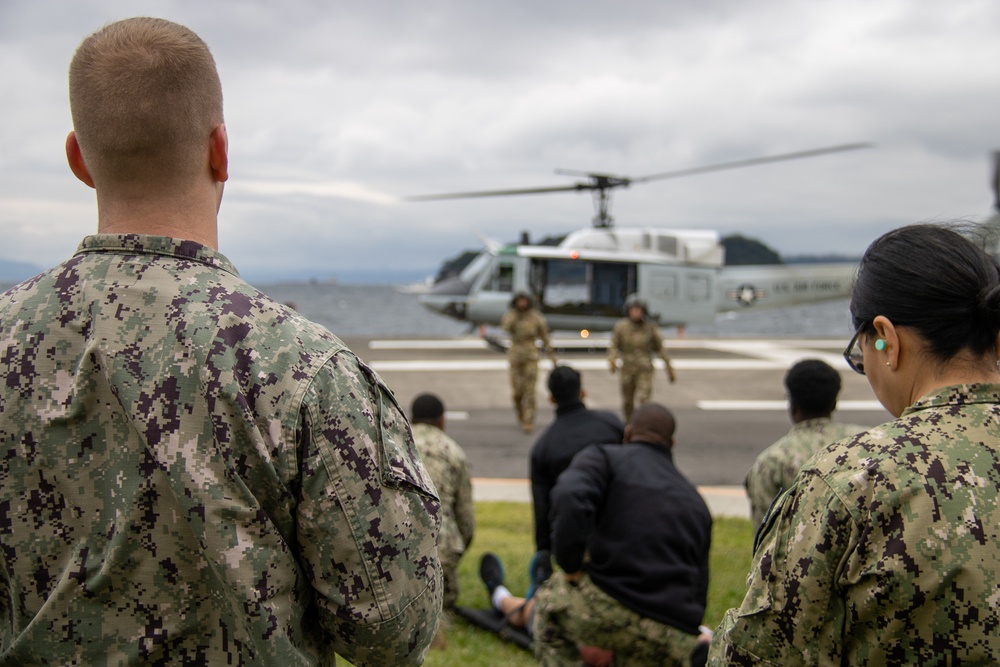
853	355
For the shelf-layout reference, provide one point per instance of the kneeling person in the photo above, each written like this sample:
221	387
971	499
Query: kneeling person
642	590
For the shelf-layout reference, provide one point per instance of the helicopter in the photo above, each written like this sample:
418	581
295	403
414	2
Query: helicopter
583	283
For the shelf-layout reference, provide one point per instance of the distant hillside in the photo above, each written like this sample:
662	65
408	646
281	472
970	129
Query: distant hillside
742	250
821	259
12	271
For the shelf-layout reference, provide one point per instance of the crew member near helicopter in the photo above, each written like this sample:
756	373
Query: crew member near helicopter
526	326
635	339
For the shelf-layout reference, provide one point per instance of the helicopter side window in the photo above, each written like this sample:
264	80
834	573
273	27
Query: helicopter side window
611	285
574	287
565	285
502	279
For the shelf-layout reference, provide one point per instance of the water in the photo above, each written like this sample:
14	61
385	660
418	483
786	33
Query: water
384	311
363	310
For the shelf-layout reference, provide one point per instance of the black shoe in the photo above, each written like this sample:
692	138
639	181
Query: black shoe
699	656
491	572
539	571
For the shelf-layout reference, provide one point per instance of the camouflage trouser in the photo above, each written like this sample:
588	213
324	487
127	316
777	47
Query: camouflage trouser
637	388
449	568
568	615
523	378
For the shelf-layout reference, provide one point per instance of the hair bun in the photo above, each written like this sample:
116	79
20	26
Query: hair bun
988	301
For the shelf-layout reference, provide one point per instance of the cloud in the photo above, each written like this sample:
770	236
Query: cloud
335	111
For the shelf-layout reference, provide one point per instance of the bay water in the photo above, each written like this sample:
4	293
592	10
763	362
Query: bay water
388	311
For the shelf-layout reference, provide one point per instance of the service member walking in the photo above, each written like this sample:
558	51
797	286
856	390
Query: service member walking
190	472
635	339
526	327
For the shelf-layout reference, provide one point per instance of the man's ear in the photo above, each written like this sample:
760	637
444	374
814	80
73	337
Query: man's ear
218	153
75	159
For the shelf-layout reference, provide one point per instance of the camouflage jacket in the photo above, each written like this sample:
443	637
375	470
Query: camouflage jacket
777	466
636	343
885	550
191	473
524	329
448	466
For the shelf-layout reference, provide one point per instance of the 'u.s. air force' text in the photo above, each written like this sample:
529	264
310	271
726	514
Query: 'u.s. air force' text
798	286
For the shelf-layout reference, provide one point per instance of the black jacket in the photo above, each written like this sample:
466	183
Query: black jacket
645	527
574	428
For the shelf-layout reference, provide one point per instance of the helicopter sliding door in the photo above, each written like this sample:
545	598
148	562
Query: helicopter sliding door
677	295
582	288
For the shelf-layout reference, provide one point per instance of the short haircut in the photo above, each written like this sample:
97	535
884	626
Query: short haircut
564	385
813	387
145	95
654	418
427	409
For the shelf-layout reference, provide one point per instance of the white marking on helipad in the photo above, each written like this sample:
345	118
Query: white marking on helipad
741	355
780	405
449	344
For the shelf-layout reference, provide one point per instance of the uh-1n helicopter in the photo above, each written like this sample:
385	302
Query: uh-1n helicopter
582	283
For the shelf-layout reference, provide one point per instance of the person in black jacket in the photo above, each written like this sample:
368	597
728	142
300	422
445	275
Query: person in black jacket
575	427
632	536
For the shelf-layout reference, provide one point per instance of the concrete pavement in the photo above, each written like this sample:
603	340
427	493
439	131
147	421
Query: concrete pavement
721	500
728	400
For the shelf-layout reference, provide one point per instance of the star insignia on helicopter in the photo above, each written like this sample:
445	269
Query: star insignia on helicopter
746	294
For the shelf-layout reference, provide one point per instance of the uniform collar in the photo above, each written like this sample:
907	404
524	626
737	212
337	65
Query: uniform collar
810	423
957	394
146	244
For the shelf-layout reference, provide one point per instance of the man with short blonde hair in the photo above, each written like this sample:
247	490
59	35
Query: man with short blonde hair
190	472
145	96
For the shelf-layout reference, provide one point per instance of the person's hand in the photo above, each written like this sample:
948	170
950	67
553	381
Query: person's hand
613	367
595	656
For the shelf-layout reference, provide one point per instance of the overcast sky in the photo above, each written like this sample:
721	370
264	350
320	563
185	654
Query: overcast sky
335	110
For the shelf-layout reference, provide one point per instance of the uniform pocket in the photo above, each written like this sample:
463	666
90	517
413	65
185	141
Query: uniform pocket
400	465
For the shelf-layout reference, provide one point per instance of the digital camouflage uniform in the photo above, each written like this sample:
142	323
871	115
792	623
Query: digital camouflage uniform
775	468
885	551
567	610
525	328
194	474
448	467
636	343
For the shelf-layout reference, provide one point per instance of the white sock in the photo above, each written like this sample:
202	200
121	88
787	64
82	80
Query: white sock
500	593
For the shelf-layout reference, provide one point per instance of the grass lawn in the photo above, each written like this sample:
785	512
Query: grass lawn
505	528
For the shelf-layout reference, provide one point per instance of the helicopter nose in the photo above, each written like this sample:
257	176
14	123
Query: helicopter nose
445	304
448	297
451	286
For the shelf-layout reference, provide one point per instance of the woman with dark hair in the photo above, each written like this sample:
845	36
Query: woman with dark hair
886	549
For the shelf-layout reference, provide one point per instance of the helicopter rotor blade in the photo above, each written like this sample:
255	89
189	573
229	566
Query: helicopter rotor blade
501	193
591	174
752	162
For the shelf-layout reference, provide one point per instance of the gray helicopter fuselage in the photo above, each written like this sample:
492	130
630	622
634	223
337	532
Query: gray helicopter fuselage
583	283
